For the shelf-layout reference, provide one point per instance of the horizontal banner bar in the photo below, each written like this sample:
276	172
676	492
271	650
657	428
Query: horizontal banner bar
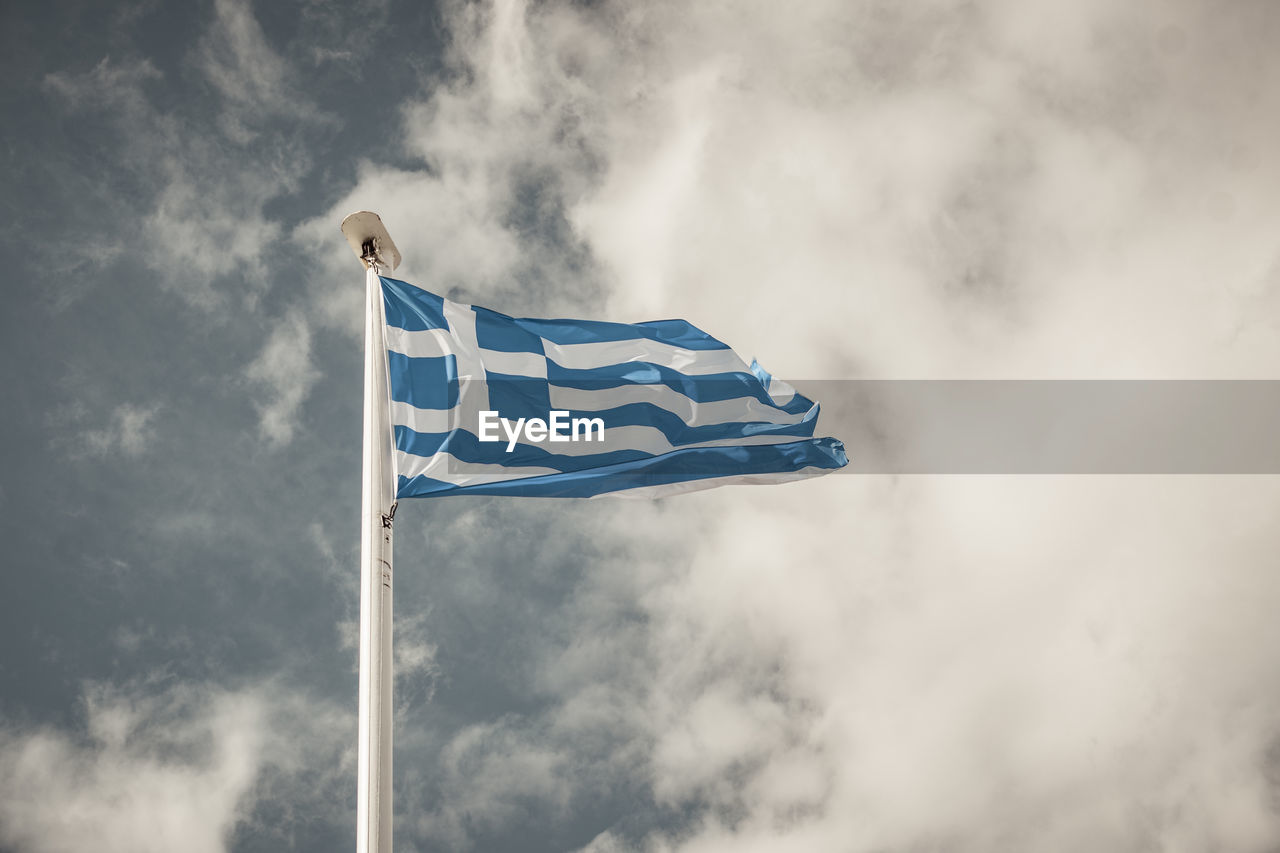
1052	426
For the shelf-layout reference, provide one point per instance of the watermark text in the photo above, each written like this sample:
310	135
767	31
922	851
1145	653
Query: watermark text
557	427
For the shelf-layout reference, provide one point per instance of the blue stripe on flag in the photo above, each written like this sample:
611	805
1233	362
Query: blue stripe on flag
411	308
678	432
466	447
499	332
427	383
675	332
518	396
695	463
709	388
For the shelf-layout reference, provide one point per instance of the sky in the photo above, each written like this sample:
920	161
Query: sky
853	190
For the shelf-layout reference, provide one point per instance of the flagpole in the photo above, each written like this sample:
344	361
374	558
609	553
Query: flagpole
366	234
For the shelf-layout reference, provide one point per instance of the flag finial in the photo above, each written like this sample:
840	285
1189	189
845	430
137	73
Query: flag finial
370	241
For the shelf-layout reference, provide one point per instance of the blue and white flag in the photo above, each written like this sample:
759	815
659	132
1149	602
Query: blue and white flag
487	404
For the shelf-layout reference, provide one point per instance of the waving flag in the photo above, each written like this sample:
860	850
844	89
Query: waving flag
487	404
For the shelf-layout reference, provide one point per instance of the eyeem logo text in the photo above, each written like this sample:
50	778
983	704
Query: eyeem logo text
557	427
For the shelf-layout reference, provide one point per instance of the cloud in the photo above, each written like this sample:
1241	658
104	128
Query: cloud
203	176
503	148
973	664
171	767
160	774
495	773
255	82
128	431
119	84
845	190
862	190
938	175
284	371
417	666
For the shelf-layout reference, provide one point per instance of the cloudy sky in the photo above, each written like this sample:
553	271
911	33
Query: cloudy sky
848	190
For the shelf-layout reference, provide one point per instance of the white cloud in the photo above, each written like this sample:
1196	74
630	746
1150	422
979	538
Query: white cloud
206	177
938	176
506	145
119	84
128	430
416	666
167	768
254	80
989	190
285	372
160	774
972	664
493	773
861	190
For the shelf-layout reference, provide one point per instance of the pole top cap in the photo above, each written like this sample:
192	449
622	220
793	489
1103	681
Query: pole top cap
370	241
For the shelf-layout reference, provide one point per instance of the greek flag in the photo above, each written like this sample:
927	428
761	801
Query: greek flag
486	404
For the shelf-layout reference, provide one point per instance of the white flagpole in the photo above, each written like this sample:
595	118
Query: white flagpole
377	508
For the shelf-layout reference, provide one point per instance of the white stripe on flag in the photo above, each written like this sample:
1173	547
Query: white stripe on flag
693	413
606	353
427	343
529	364
779	391
436	342
446	467
473	390
423	420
